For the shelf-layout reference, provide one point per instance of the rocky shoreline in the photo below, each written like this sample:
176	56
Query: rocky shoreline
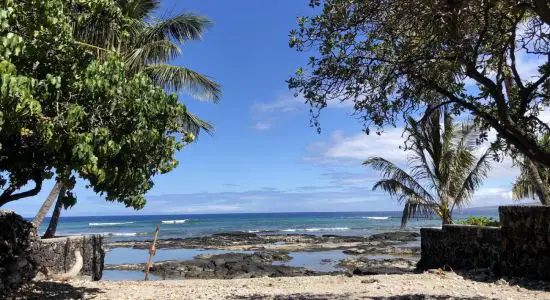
393	252
384	243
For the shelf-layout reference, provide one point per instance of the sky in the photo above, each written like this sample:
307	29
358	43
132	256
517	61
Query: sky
264	156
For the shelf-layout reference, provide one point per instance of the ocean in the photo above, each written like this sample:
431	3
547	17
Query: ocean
181	226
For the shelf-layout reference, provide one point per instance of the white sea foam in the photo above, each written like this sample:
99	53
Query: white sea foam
174	221
377	218
108	233
109	224
120	233
317	229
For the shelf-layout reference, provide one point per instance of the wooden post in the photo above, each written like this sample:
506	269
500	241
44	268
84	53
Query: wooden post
152	251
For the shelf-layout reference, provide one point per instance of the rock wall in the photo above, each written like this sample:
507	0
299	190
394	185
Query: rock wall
18	263
58	254
520	247
525	247
460	247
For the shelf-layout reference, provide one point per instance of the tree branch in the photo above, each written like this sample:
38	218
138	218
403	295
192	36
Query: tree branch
32	192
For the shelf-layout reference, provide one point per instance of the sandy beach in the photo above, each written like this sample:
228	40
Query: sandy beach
411	286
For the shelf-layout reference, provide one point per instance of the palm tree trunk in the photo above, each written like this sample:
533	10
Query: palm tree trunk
541	187
47	204
52	227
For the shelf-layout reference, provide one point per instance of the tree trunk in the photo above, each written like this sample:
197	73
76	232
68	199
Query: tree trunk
542	190
52	227
47	204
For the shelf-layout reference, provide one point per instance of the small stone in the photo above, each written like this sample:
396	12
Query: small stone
501	282
370	280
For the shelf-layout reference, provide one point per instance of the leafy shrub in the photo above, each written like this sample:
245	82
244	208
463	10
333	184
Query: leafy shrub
479	221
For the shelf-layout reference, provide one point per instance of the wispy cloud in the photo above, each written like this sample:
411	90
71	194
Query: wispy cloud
355	149
263	125
267	113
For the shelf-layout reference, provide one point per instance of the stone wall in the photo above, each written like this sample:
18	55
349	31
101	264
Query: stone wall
460	247
18	264
520	247
525	244
58	254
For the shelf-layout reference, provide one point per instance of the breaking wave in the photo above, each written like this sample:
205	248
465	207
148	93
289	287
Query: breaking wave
109	224
316	229
174	221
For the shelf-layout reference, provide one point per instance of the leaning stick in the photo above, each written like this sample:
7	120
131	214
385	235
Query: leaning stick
152	251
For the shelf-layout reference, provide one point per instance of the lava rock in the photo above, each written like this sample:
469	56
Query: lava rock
18	241
401	236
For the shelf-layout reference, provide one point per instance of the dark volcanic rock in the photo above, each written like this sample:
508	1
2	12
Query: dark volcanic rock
18	241
365	266
235	234
401	236
226	266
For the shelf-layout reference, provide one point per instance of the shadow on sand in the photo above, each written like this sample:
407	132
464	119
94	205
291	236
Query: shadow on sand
366	297
54	290
484	276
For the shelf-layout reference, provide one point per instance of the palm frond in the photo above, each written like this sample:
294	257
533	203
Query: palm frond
523	189
415	209
137	9
151	52
422	165
474	178
390	171
194	124
181	79
182	27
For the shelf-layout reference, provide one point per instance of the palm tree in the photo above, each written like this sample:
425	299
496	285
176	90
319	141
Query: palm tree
444	169
533	181
150	47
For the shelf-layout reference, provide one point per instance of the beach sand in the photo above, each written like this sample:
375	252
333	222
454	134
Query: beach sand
410	286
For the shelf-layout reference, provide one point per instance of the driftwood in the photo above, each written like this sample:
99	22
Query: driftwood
73	272
152	253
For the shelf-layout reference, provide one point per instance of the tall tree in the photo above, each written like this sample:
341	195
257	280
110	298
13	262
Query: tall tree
148	46
65	108
392	57
444	169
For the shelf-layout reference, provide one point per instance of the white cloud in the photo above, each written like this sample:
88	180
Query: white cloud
262	126
285	105
359	147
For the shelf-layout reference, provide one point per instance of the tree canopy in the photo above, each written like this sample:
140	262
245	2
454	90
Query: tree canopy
395	58
64	108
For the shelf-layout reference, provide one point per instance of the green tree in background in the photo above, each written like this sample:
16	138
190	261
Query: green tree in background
445	171
390	58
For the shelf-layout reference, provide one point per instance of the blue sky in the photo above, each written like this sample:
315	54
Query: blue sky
264	156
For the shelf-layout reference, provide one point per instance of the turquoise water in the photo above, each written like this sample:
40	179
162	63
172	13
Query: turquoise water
182	226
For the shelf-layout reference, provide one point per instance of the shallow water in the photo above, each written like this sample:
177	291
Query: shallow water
321	261
119	256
